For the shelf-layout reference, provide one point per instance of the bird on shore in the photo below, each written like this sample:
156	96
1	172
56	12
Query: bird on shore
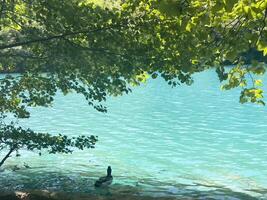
105	180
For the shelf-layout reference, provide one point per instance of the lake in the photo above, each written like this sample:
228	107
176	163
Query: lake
195	141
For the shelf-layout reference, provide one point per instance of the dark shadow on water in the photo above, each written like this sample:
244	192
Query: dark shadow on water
259	191
83	183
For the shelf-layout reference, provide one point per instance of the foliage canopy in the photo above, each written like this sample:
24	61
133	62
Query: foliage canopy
99	49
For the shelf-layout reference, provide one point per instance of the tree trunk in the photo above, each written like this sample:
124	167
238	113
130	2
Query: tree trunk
6	157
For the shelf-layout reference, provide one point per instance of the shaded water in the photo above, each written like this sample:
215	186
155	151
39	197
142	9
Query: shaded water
192	141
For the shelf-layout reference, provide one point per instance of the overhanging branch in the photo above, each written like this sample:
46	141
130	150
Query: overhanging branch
49	38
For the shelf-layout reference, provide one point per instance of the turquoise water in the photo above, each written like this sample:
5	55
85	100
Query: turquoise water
195	141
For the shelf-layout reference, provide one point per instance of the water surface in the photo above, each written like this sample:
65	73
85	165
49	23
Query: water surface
195	141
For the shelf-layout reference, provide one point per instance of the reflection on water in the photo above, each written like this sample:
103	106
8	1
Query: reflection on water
187	141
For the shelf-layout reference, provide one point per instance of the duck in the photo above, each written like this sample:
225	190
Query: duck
105	180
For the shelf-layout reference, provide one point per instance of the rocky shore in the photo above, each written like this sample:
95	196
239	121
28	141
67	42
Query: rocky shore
47	195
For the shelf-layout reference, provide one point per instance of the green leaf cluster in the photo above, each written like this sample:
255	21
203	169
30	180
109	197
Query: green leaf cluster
16	138
101	48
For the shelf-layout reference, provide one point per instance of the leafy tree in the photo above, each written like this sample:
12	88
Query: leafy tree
98	49
15	138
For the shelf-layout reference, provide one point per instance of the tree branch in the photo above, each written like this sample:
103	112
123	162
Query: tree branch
2	8
264	24
7	156
60	36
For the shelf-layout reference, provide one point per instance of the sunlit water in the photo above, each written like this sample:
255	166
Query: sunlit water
195	141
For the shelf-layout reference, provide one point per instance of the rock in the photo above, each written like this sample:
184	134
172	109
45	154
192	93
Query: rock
9	196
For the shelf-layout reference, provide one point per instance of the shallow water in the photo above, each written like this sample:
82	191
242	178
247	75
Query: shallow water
195	141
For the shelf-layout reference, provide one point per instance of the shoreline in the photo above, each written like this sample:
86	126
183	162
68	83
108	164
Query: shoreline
61	195
50	195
